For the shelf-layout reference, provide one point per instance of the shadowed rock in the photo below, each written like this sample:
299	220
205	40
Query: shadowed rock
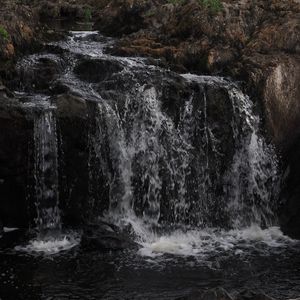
96	70
105	237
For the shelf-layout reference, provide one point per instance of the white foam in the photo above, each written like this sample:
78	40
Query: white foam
9	229
205	242
50	245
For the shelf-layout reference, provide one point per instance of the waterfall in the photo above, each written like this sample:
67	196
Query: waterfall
186	172
46	170
171	157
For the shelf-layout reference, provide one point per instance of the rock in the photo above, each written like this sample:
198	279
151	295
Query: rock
12	238
16	136
104	237
70	106
213	294
251	295
96	70
216	294
276	79
221	294
39	72
1	228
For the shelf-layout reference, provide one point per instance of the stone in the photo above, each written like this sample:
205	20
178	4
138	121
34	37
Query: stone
252	295
70	106
96	70
212	294
104	237
39	73
216	294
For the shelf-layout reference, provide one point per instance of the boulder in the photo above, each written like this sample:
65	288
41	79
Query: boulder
105	237
94	71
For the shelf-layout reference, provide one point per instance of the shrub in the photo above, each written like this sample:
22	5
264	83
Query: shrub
213	5
3	33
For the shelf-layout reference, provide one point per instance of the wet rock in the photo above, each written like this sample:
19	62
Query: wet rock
96	70
39	72
70	106
213	294
16	138
105	237
216	294
12	238
221	294
1	228
252	295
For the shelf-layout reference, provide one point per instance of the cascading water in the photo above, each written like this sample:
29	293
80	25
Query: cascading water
154	161
46	170
164	162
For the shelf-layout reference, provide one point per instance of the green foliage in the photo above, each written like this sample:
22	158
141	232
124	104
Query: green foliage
213	5
175	1
87	14
3	33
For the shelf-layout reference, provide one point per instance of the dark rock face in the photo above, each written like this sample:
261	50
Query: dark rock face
39	72
13	238
251	295
96	70
221	294
216	294
15	155
290	221
105	237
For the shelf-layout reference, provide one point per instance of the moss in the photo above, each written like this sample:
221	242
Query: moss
87	14
213	5
3	33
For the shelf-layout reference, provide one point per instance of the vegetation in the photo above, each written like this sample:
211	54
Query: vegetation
213	5
3	33
87	14
175	1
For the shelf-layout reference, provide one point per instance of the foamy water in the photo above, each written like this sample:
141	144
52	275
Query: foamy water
206	242
50	245
209	241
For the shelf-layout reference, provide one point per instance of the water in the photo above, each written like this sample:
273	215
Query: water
182	174
46	170
183	167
